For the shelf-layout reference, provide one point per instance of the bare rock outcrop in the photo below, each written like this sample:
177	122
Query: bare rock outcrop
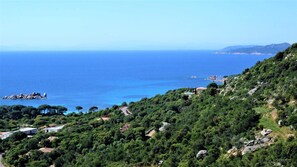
201	154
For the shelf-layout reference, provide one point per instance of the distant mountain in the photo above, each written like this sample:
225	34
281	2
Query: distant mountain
254	49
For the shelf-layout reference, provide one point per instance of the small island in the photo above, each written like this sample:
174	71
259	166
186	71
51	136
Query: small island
21	96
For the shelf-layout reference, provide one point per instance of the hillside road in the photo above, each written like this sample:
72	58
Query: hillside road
1	165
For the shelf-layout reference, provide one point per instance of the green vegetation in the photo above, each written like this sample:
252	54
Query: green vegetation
12	117
78	108
268	121
216	120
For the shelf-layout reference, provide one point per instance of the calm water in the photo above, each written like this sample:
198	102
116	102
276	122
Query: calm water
110	77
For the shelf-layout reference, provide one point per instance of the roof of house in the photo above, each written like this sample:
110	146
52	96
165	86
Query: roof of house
27	129
55	128
201	88
105	118
42	127
52	125
3	133
52	138
46	149
151	133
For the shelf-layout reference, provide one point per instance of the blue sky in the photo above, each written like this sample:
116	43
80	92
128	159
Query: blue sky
144	24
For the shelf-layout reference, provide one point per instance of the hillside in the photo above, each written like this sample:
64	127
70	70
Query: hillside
251	120
255	49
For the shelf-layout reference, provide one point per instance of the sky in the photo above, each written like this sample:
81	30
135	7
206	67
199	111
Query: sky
144	24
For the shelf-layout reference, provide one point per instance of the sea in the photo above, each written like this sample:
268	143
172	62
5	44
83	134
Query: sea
106	78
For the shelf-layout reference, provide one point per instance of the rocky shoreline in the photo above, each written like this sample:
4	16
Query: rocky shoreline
21	96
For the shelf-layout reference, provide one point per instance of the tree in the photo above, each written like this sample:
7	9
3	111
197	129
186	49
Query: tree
212	85
93	108
44	107
245	71
124	104
78	108
34	112
31	144
279	56
61	110
212	88
41	163
17	136
16	114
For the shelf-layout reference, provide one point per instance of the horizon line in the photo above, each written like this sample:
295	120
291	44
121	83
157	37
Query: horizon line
111	50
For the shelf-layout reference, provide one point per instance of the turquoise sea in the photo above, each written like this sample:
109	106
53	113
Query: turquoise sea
104	78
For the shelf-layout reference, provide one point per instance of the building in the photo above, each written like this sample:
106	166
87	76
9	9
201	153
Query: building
52	138
4	135
199	90
46	149
104	118
151	132
29	131
53	129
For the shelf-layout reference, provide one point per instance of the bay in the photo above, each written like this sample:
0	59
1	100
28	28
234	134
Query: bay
105	78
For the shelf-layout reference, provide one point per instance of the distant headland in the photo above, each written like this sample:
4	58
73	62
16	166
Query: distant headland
21	96
254	49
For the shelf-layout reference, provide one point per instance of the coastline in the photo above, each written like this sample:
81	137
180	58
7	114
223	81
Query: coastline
243	53
103	79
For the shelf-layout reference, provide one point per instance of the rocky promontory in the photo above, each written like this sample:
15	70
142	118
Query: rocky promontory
21	96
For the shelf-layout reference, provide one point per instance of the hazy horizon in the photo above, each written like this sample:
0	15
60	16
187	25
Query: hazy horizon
144	25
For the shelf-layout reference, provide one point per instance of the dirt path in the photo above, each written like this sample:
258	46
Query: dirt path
274	114
1	165
125	110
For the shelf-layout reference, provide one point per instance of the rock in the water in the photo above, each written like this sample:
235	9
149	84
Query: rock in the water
201	154
33	95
